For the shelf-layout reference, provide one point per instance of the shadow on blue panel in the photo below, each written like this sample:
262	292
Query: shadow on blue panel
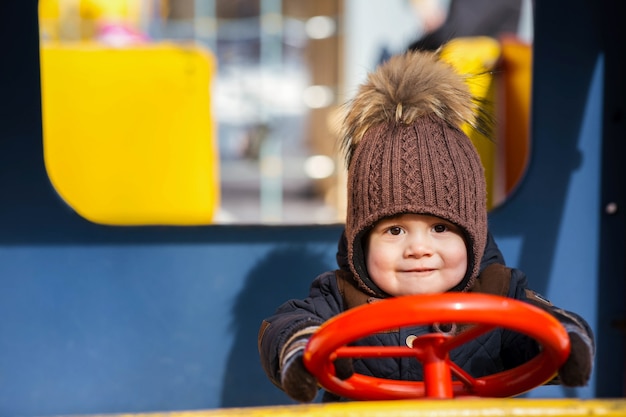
285	273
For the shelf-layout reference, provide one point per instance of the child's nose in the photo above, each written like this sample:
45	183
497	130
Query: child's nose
418	245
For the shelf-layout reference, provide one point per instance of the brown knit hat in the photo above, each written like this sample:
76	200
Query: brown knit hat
406	153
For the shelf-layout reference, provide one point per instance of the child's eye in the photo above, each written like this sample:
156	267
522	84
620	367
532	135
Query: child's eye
395	230
440	228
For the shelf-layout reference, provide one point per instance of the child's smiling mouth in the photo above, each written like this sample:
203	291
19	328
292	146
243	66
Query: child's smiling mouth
418	271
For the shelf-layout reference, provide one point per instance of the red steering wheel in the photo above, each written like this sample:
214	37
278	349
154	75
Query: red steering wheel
485	312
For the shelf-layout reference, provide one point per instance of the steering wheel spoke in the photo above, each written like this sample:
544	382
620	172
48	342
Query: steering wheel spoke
466	335
466	379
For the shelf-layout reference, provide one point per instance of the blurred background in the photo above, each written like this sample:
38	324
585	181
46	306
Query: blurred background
280	70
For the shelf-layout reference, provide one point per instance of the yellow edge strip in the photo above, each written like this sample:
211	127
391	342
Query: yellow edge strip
422	408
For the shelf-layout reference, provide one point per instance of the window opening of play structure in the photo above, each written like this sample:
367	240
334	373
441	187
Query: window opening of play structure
183	112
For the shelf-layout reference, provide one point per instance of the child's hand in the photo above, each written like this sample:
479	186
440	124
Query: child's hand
300	384
577	369
344	368
296	381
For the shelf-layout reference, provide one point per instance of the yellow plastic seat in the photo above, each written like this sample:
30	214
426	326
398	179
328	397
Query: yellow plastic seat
128	133
476	58
516	70
499	74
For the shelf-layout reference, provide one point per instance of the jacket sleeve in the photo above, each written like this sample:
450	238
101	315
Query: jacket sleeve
577	369
323	302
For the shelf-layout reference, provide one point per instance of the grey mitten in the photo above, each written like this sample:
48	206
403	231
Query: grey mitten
344	368
576	370
295	379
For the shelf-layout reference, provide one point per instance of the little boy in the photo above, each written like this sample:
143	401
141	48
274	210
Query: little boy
416	224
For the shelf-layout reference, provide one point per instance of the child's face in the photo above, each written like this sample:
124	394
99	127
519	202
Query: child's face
416	254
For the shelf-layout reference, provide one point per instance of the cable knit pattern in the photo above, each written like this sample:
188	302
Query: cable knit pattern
410	161
375	172
446	188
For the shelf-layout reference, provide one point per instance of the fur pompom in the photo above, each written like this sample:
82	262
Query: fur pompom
403	89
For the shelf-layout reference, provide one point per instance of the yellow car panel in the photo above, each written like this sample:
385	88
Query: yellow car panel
128	133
